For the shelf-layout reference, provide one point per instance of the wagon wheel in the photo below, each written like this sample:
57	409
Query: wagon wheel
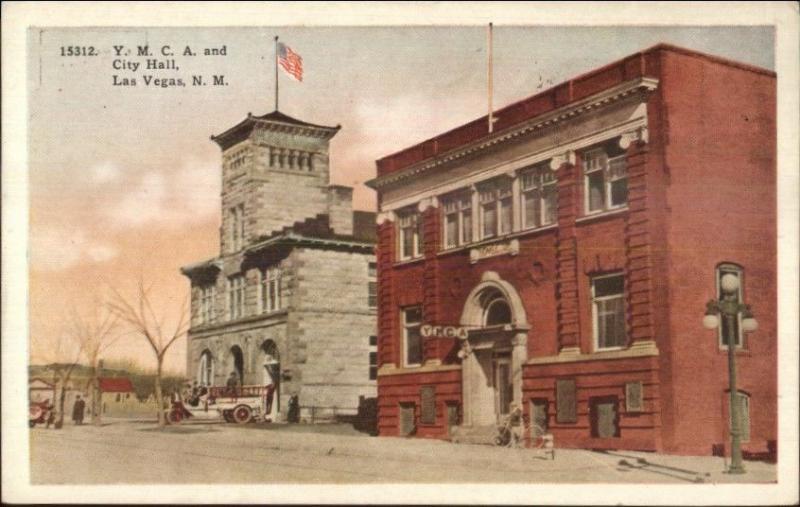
34	412
242	414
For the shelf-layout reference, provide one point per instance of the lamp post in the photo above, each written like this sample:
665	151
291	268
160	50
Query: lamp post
730	308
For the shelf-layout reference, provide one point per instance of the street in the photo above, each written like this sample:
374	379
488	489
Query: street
136	452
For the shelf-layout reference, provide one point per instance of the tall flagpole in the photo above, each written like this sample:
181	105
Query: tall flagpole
276	72
489	72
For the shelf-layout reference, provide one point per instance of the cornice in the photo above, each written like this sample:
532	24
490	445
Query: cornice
563	153
642	85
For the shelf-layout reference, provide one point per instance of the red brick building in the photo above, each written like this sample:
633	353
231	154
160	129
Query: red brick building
575	247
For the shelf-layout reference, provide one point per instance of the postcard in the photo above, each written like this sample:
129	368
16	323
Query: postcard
400	253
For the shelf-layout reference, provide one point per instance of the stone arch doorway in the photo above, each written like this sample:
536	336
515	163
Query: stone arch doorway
235	363
205	369
271	364
494	351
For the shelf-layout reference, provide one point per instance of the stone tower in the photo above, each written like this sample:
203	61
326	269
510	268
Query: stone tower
275	172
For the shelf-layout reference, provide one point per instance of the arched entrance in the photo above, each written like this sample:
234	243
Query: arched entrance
235	363
272	373
205	369
494	351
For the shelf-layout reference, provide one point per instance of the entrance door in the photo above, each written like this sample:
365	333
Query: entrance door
504	390
604	417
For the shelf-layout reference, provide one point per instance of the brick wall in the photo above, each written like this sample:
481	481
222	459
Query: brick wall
719	154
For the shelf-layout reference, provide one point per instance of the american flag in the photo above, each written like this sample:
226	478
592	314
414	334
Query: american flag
291	62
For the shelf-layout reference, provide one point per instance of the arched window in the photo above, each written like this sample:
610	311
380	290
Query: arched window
205	370
496	310
235	362
271	362
737	271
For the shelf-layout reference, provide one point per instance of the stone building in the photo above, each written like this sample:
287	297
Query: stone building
291	298
562	261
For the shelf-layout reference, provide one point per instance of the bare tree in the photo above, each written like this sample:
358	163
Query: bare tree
141	317
95	331
61	356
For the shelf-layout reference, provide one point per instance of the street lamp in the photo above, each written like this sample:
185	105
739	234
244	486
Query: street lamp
729	307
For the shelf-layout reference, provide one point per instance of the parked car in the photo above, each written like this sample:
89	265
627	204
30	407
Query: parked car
39	412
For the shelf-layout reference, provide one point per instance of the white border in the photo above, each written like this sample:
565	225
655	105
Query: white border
17	16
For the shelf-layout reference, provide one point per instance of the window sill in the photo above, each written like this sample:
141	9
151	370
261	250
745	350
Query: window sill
601	215
607	349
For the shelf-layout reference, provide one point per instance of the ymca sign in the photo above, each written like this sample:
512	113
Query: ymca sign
430	331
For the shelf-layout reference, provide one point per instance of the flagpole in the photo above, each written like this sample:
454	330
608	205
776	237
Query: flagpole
276	72
489	79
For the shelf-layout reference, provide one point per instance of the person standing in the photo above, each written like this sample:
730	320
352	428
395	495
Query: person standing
78	409
51	413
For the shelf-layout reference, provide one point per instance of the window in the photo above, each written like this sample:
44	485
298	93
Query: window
373	357
236	297
237	160
608	306
566	401
207	296
372	294
722	270
237	227
412	340
372	285
270	291
457	220
539	192
496	208
605	180
497	313
539	417
604	417
410	237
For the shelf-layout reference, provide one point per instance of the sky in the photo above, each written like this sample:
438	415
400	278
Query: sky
124	181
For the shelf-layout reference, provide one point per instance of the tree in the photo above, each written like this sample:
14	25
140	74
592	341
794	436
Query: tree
95	331
141	317
61	357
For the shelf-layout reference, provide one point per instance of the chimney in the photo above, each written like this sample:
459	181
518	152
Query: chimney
340	209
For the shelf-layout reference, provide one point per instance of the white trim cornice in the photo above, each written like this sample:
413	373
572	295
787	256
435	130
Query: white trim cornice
637	134
568	157
428	202
507	166
640	85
